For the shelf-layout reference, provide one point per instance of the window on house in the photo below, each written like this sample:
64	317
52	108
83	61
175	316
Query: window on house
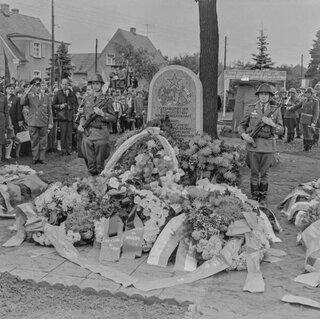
36	74
37	49
111	59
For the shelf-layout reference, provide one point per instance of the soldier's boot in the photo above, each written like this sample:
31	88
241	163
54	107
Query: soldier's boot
263	191
292	137
255	194
288	138
309	145
8	150
305	145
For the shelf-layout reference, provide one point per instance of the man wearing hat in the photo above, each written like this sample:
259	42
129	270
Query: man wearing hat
290	117
262	147
99	112
309	117
40	119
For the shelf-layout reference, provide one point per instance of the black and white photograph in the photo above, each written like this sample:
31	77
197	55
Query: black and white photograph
159	159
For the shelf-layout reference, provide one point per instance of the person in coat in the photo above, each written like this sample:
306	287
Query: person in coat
39	119
309	117
98	110
262	147
4	121
290	117
65	104
317	128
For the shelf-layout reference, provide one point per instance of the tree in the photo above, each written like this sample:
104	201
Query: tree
314	64
189	61
209	56
140	61
62	63
293	75
262	60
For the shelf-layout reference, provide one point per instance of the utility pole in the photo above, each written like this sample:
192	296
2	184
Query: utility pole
52	45
96	58
301	69
225	53
147	25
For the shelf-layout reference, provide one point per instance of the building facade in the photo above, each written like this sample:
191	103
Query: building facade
106	61
26	43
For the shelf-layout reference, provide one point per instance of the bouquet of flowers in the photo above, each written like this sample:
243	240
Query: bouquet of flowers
211	210
204	157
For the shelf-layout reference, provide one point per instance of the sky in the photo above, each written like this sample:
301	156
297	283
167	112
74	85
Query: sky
173	25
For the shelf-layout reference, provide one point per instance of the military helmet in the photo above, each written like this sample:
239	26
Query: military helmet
292	90
317	86
309	90
96	78
264	87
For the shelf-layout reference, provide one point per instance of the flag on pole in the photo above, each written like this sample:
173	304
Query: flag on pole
7	77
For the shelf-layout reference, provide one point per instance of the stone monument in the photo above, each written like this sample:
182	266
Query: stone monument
177	92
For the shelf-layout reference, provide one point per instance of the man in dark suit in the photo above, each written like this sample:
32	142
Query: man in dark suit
15	109
39	119
65	103
15	112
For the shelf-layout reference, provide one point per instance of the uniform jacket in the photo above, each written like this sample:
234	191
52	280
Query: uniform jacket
70	99
15	111
309	110
40	110
4	117
107	108
290	114
265	140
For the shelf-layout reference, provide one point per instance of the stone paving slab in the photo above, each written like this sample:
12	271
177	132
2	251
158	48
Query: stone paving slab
68	268
25	274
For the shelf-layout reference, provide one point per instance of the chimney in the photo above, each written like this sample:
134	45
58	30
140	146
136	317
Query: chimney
133	31
15	11
4	7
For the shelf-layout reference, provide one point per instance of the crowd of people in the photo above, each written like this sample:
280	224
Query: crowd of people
35	120
300	114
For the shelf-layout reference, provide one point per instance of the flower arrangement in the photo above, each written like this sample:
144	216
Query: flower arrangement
209	214
204	157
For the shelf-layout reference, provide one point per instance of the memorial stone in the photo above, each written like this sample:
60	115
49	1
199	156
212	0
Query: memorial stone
177	92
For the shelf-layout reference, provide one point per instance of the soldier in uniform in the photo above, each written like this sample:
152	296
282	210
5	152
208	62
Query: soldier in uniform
309	117
290	117
261	148
95	144
316	131
40	119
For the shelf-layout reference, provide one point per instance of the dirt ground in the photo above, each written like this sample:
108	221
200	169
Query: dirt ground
23	300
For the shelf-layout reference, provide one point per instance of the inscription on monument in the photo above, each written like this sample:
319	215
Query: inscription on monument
177	92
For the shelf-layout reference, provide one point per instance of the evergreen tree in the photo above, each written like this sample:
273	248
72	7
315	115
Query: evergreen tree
262	60
314	65
62	64
209	57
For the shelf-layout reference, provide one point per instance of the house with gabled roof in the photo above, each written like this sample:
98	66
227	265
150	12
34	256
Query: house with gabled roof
106	61
26	42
